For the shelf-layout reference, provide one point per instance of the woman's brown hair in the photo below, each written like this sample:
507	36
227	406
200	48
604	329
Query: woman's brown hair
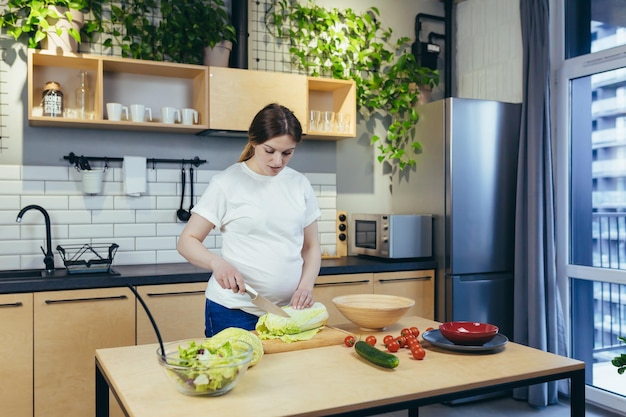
272	121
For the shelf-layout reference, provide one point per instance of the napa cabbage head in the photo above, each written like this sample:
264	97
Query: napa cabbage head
302	325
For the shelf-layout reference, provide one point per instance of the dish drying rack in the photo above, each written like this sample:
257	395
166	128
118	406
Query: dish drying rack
81	259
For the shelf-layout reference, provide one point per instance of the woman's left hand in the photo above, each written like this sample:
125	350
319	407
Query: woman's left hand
301	299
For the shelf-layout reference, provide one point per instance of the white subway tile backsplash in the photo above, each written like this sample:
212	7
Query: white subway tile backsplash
63	187
10	202
169	256
155	216
135	203
145	227
113	216
30	173
155	243
10	262
50	202
10	172
92	202
88	231
10	232
135	258
71	216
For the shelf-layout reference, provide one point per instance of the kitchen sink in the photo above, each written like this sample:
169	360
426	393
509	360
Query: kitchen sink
22	274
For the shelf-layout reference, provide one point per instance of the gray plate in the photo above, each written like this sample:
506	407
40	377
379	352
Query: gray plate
435	337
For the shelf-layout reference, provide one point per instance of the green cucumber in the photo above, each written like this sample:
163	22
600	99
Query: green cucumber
376	356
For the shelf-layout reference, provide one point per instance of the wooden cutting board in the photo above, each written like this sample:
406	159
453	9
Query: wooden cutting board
327	337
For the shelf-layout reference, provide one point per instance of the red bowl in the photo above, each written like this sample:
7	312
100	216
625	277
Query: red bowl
468	333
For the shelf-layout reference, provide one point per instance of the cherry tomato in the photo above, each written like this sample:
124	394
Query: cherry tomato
429	329
349	341
405	332
370	340
418	353
393	346
415	331
388	339
401	341
413	342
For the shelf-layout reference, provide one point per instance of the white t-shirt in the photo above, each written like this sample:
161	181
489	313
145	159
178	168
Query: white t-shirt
262	220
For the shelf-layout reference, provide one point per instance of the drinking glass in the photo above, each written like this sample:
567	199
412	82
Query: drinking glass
314	121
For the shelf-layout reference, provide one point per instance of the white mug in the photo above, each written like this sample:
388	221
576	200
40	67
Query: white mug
170	115
190	116
138	113
114	111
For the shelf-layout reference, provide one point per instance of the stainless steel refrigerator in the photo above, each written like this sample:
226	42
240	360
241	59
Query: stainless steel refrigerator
466	178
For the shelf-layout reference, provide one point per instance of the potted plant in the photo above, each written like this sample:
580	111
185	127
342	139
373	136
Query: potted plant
620	361
346	45
190	29
49	24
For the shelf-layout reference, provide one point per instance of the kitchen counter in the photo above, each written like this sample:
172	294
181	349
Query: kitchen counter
184	272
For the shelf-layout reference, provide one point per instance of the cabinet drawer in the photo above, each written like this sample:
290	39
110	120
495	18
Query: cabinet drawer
418	285
329	286
177	309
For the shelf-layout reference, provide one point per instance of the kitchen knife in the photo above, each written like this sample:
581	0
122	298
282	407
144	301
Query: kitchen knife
264	303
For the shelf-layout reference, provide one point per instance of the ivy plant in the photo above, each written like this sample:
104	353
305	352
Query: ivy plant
345	45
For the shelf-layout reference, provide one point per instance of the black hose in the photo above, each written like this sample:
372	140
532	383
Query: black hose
154	325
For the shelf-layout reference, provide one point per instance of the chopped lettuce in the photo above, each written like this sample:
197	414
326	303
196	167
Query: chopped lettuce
206	367
302	325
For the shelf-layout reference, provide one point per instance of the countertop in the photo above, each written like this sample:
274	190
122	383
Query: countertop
143	390
183	272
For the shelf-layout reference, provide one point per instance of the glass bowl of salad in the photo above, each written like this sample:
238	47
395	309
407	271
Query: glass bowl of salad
208	366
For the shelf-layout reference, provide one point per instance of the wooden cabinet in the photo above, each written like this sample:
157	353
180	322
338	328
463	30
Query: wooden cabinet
16	354
68	327
329	286
236	95
178	310
418	285
119	80
226	98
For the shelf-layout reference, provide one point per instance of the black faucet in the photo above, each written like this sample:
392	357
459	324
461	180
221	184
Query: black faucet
48	255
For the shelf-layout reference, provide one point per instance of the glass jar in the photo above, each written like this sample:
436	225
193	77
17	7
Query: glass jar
52	100
84	108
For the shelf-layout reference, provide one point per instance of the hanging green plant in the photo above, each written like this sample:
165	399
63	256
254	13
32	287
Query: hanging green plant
345	45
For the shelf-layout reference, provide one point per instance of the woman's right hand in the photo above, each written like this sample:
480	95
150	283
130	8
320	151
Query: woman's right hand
228	276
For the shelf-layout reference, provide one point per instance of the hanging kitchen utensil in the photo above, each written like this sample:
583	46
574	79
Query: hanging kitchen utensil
182	214
190	189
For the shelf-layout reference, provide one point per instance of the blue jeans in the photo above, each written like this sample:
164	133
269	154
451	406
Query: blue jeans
217	318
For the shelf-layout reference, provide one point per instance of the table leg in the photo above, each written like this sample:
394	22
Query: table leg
102	394
577	388
414	411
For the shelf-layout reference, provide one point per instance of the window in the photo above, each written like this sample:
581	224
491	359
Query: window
591	186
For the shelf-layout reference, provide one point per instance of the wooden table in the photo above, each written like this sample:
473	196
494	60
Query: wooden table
333	380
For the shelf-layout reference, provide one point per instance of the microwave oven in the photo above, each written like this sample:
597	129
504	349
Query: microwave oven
392	236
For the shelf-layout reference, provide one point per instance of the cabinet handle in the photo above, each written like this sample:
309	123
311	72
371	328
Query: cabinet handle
332	284
80	300
171	294
17	304
389	281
